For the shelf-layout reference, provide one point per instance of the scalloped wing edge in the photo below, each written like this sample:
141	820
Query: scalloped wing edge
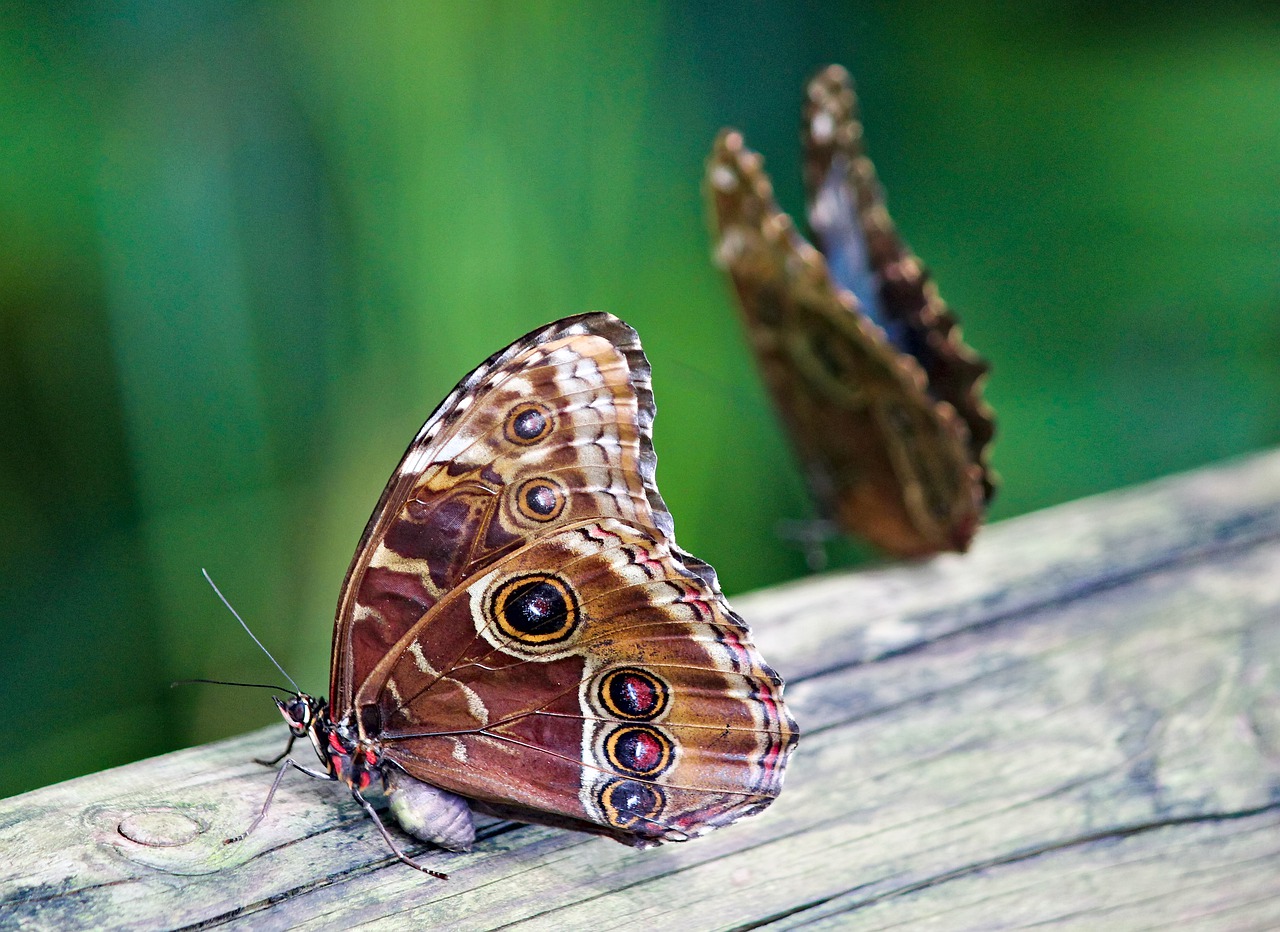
831	103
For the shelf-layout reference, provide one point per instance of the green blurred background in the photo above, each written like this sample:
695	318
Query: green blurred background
248	246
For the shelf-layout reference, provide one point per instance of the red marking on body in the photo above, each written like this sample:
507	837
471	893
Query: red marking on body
963	532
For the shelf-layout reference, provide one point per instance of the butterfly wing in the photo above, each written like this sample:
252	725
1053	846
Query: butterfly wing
848	343
866	255
591	678
549	431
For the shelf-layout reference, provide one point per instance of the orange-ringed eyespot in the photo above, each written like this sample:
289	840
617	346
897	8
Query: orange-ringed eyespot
540	499
528	423
535	609
638	750
629	804
633	694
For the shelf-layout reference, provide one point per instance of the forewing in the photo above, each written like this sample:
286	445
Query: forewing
551	430
591	678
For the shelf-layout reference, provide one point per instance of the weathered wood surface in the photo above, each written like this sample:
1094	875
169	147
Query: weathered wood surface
1076	725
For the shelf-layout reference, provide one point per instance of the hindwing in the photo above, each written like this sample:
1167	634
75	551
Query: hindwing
589	678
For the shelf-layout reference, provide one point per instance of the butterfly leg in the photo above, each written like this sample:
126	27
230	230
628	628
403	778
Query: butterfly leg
284	768
391	842
279	757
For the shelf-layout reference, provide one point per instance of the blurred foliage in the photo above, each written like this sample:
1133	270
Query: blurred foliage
248	246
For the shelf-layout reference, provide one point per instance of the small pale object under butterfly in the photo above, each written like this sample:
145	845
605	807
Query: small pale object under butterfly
519	632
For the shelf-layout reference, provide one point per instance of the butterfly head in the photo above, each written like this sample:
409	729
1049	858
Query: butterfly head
301	712
307	717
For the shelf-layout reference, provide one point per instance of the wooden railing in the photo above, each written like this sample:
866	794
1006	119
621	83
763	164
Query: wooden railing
1076	724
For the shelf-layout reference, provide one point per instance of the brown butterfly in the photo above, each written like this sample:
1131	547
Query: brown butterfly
863	359
519	631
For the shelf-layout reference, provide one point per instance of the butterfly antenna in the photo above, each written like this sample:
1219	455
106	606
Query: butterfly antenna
223	598
280	689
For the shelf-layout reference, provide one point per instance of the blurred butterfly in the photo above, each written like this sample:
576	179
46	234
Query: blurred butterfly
520	633
865	363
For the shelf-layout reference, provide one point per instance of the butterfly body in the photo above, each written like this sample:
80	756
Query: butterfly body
357	761
519	629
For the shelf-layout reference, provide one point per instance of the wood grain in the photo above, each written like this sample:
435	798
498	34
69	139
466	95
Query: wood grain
1076	725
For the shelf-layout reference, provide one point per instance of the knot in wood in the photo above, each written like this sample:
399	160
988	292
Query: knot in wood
160	828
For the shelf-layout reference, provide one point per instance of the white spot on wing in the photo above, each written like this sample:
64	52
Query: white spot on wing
731	248
455	446
723	179
414	462
822	127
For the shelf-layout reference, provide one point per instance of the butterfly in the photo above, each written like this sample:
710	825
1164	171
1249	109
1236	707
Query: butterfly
880	396
519	632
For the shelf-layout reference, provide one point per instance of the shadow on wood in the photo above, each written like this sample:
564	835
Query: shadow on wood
1076	724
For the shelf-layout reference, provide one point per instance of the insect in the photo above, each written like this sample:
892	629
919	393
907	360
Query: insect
881	398
520	633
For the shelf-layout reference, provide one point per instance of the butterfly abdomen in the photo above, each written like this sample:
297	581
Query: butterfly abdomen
430	813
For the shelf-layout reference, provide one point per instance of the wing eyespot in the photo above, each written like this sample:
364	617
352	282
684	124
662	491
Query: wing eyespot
639	750
535	609
633	694
528	422
540	499
629	804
